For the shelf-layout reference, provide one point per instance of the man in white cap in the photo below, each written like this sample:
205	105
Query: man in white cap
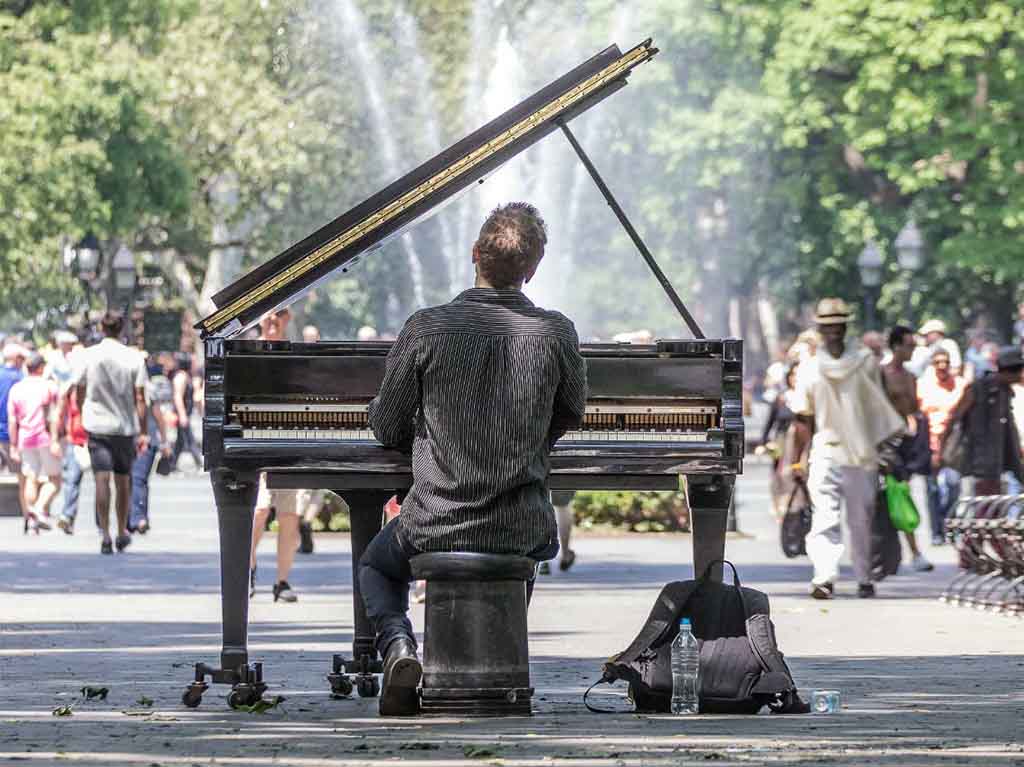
839	394
58	360
934	334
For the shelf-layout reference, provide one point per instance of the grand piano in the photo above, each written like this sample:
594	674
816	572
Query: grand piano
656	413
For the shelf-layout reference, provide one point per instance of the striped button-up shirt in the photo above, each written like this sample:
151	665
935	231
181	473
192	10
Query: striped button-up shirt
480	389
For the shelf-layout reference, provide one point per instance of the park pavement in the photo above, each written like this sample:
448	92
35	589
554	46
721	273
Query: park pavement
922	683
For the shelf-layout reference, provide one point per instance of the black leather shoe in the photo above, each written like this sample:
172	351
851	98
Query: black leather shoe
865	590
402	672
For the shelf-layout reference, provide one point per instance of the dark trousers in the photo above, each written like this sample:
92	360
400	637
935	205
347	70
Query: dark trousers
385	575
141	468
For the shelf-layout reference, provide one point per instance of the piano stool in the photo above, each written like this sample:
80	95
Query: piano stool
476	658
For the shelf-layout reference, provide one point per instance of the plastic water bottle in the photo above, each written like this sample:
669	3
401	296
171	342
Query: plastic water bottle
685	670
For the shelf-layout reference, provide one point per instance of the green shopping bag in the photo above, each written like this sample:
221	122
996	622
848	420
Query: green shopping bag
902	510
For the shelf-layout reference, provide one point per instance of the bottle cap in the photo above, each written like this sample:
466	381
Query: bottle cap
684	621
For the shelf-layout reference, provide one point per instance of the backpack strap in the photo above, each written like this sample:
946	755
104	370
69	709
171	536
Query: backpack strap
606	679
706	576
776	683
659	623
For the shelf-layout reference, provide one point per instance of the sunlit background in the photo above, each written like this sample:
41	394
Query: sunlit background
770	154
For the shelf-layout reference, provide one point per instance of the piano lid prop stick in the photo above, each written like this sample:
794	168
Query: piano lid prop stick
633	235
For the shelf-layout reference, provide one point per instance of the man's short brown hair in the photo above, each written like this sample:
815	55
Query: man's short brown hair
111	324
511	244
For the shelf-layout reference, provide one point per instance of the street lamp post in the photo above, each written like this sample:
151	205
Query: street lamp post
123	277
910	254
870	264
84	259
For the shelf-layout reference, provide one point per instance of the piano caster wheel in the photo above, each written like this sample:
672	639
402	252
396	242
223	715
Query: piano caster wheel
245	695
193	694
368	686
341	685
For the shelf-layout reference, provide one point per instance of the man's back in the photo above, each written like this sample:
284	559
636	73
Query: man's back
111	372
482	387
28	400
8	377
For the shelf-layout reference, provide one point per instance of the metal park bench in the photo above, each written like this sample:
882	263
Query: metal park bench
988	532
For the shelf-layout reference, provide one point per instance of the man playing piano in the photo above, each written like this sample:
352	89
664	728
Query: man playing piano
479	390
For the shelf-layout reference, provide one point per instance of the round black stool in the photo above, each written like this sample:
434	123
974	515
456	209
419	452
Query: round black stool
476	660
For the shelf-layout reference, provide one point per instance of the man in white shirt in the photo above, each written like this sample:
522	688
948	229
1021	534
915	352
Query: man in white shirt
839	393
934	334
111	379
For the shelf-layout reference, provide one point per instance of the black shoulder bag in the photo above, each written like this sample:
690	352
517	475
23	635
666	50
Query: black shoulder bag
741	667
796	523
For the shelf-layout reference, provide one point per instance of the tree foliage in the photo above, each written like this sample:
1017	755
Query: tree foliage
909	108
759	152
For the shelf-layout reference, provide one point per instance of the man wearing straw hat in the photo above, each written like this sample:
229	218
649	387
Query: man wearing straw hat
839	393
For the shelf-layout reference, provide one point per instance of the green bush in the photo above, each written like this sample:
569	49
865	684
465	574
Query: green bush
638	512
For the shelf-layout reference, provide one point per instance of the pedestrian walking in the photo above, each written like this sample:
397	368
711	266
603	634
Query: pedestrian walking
986	412
10	374
839	394
775	442
110	380
284	503
29	403
158	394
561	501
68	429
938	392
184	404
913	451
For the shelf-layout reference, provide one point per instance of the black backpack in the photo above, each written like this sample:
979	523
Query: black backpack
742	669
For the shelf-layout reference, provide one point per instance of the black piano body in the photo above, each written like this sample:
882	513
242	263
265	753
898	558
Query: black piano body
297	412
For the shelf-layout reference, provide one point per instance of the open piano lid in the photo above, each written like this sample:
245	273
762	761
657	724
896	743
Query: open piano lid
419	193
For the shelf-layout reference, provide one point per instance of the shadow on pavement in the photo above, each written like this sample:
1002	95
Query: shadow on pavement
153	572
921	711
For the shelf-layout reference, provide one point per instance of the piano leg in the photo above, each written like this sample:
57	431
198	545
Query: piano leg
366	512
709	498
235	496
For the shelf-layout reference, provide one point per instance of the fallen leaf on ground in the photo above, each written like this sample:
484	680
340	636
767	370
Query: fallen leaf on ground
477	752
64	710
263	705
144	701
95	692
